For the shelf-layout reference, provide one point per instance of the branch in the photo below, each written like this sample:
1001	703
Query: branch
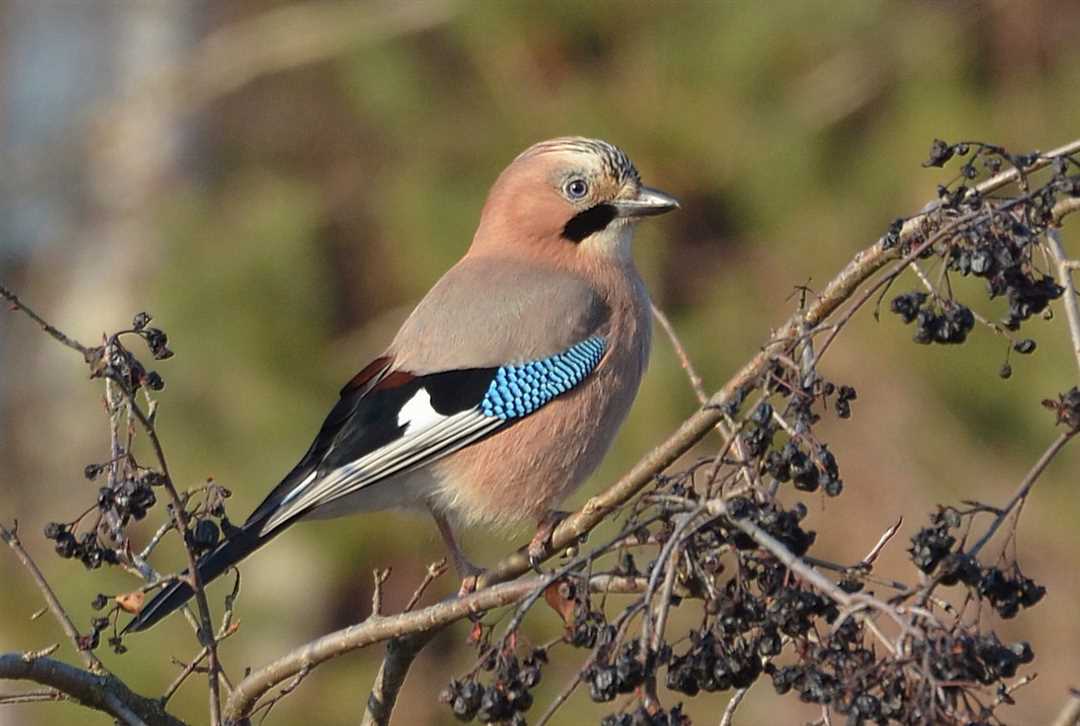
105	693
377	629
400	653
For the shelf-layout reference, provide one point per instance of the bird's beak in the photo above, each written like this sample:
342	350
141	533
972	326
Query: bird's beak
648	202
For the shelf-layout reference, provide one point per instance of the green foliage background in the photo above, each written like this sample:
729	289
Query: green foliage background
316	205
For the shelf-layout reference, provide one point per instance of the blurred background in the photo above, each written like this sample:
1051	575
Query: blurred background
279	182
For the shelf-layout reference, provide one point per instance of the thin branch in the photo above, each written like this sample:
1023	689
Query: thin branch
49	694
1022	491
11	537
434	571
105	693
17	304
680	351
886	537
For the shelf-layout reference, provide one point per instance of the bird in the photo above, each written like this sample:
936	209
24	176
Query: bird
505	386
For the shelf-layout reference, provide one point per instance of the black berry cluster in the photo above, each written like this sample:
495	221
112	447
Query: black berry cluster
993	239
714	664
946	322
622	675
978	658
507	698
930	545
1008	592
83	547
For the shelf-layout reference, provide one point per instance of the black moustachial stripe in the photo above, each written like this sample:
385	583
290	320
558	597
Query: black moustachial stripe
591	220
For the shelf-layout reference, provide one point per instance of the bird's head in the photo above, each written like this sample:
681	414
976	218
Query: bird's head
568	196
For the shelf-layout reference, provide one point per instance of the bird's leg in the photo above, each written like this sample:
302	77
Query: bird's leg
538	545
467	571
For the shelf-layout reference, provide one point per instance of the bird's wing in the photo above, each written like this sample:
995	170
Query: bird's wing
389	421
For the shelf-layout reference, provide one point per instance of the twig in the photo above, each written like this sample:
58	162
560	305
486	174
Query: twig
1022	491
680	351
49	694
733	703
18	304
885	538
91	661
668	554
434	571
380	577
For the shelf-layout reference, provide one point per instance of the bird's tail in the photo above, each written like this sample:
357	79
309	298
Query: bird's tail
239	545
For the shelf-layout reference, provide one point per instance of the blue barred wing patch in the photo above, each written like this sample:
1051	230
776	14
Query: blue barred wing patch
518	390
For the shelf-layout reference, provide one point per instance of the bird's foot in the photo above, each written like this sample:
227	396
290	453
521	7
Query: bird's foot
470	576
541	541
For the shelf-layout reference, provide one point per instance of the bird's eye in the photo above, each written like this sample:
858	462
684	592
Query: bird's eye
576	189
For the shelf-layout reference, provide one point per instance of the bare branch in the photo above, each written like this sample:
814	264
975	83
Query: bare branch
680	351
17	304
1025	487
10	536
105	693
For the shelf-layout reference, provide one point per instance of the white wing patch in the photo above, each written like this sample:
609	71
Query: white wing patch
418	413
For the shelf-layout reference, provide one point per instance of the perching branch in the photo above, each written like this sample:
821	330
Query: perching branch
378	629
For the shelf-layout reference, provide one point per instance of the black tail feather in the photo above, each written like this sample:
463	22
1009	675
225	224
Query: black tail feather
241	544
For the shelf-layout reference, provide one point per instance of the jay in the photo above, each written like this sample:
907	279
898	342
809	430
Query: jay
505	386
